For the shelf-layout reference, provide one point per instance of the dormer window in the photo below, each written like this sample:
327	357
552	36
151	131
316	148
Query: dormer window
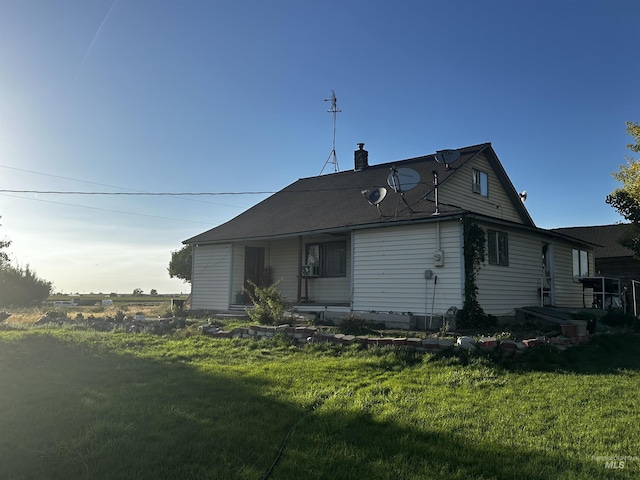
480	183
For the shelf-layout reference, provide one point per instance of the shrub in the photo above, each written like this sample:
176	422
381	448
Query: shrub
177	310
269	306
353	325
473	316
584	316
617	318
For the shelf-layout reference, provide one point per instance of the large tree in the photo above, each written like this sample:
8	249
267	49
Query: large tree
180	264
626	199
19	287
4	256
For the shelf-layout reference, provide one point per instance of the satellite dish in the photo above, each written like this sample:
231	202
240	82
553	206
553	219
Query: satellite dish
403	179
523	196
447	156
375	197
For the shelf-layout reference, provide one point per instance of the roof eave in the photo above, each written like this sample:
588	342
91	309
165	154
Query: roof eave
511	191
330	231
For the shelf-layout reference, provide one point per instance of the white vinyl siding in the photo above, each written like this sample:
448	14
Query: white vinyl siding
389	269
568	291
237	282
210	282
502	288
457	190
282	257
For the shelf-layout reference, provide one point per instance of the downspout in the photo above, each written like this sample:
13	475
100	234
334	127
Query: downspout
230	281
462	272
193	250
299	294
351	273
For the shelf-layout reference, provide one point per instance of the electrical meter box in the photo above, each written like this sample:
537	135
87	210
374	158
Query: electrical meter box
438	258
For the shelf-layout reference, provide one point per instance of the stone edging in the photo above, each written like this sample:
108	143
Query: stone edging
302	335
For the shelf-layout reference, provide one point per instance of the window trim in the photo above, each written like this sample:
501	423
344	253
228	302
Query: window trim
498	248
579	259
480	182
323	262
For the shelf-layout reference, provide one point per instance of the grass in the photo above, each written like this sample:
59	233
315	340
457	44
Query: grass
81	404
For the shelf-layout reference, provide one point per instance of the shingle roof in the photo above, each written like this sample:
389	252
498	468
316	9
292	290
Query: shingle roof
605	237
335	202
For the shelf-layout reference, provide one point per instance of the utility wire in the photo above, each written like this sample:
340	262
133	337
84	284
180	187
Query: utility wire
157	194
66	178
106	209
178	194
96	183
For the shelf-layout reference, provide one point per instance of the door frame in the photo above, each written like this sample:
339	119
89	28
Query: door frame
253	269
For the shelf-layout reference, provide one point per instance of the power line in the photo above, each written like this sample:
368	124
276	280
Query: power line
66	178
178	194
97	183
157	194
106	209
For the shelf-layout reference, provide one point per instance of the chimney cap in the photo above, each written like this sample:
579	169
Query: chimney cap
361	146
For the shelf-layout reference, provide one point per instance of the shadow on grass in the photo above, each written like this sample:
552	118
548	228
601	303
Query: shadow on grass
69	413
605	354
74	411
359	448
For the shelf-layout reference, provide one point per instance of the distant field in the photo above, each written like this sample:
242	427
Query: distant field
78	404
93	299
151	306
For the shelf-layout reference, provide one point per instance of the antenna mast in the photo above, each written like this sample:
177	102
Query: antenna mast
335	110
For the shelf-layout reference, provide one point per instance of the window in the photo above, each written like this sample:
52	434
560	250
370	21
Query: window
580	263
330	258
498	246
480	183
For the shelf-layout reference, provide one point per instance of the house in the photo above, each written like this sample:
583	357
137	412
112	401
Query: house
612	260
386	241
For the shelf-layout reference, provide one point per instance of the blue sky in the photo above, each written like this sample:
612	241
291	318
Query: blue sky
228	96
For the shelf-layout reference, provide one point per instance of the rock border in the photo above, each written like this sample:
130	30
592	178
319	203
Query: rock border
304	335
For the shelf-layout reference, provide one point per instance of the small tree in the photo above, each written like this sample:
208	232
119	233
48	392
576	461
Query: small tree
180	264
137	292
153	292
268	305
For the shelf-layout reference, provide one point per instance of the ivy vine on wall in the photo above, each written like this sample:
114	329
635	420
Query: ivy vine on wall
475	242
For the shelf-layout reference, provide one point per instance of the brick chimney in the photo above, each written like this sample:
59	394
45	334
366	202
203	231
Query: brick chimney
361	158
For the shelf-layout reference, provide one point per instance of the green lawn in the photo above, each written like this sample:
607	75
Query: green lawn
78	404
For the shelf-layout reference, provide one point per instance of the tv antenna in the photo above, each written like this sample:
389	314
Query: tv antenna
334	110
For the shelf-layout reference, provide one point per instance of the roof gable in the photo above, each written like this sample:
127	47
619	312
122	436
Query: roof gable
335	202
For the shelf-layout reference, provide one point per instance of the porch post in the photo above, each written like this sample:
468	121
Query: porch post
299	276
